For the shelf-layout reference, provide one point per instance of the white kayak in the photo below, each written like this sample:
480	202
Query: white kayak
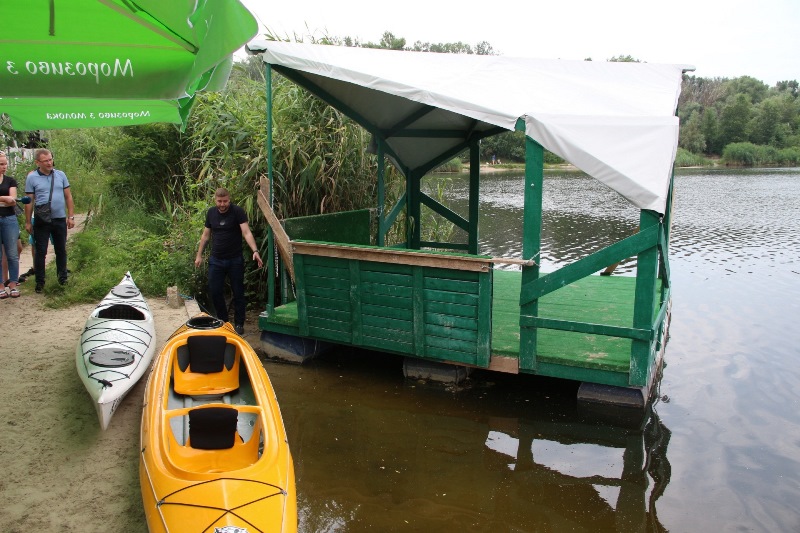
116	347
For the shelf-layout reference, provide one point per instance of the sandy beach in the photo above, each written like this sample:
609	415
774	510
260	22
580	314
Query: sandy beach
60	471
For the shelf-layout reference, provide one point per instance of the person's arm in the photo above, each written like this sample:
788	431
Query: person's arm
251	242
11	199
29	212
204	238
70	208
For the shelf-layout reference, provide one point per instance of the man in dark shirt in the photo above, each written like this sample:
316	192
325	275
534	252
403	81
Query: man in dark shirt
227	224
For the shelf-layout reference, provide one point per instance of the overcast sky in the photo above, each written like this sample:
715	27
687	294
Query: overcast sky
727	38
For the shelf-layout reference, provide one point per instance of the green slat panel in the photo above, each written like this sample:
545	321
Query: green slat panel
325	271
451	344
339	337
329	262
441	273
328	324
351	227
385	278
466	311
389	335
380	312
327	313
386	301
418	306
391	323
451	297
328	303
342	284
395	347
389	290
435	352
450	333
457	286
325	292
451	321
355	301
302	306
484	341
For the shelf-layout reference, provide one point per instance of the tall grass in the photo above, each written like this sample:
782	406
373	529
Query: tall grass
748	154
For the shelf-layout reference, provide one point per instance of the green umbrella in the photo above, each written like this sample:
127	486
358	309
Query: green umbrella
93	63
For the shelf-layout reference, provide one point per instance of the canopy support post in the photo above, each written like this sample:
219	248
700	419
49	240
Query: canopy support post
413	211
380	239
270	237
531	243
474	200
644	303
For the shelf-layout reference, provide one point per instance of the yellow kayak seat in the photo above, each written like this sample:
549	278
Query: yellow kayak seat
206	365
214	444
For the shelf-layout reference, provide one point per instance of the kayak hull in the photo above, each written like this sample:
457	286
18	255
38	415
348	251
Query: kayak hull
116	347
241	479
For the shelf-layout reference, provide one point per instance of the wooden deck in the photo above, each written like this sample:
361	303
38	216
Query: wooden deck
604	300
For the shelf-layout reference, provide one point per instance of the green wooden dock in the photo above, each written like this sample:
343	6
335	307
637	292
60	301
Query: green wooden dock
337	278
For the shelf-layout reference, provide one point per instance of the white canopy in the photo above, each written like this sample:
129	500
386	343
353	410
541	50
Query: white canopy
614	121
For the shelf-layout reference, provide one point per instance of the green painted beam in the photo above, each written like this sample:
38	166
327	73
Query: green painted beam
584	327
380	238
394	213
645	239
444	211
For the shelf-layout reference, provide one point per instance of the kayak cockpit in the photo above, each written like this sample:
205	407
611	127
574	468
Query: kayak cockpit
121	312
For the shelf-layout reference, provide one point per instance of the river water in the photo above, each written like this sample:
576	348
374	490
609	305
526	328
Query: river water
718	451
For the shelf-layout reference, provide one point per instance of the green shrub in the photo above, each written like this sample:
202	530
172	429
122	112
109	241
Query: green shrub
685	158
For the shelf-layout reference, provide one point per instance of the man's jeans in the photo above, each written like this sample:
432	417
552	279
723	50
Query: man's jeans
41	236
234	269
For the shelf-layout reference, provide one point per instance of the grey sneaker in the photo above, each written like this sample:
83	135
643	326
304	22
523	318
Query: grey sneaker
239	328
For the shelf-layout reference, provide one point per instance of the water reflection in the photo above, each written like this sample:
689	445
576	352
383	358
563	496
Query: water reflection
374	452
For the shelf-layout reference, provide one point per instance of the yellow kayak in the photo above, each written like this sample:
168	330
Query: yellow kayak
214	457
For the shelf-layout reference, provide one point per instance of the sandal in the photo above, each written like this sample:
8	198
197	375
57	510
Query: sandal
15	293
3	294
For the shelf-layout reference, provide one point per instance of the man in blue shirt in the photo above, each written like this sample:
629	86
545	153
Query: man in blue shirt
37	187
227	224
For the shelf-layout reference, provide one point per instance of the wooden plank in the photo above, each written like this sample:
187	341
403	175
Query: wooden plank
434	330
388	335
325	271
451	297
392	255
381	312
389	290
451	321
328	303
456	286
326	292
461	275
382	300
331	314
643	351
394	347
386	278
336	284
445	355
446	343
531	243
390	323
281	238
466	311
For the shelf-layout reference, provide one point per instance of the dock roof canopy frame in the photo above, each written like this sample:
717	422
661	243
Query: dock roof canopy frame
615	121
